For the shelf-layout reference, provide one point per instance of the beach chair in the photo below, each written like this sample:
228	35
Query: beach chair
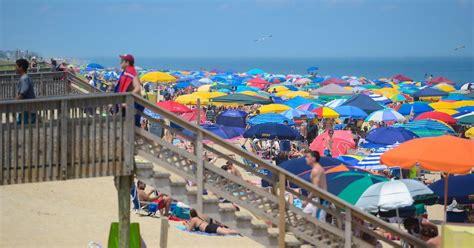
150	208
246	161
135	238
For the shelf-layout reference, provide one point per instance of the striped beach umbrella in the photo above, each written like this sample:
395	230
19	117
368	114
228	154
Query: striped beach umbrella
385	115
372	161
427	128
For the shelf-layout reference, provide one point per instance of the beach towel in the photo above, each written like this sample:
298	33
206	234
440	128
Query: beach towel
183	228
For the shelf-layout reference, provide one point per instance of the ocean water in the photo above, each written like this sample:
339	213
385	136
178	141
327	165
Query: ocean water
459	69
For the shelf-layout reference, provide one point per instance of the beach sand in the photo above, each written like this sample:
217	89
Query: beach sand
76	212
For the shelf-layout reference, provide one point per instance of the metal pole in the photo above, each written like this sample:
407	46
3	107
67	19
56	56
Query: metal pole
348	229
281	210
446	196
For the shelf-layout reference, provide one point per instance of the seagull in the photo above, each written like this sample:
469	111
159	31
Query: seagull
459	47
263	38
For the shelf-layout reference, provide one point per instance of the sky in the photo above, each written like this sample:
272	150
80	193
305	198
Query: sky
224	28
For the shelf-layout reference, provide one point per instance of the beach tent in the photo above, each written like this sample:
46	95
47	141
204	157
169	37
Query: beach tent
232	118
439	80
269	117
272	131
241	99
363	102
401	78
297	101
332	90
429	92
334	80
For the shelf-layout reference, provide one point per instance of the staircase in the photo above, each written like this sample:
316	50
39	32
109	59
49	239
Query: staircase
82	136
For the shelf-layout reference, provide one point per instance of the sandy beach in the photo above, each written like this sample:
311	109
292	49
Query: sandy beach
76	212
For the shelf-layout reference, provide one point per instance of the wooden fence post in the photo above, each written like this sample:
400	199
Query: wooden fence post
200	162
348	229
64	140
123	185
164	232
281	210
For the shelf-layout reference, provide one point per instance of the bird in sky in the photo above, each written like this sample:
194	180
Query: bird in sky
263	38
459	47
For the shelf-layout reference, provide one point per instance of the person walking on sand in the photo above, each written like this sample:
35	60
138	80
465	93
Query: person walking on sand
318	179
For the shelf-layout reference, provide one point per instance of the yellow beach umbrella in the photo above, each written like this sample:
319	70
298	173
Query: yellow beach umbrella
464	103
470	133
325	112
204	88
282	93
442	105
445	87
278	88
191	99
158	77
447	111
248	93
293	94
273	108
394	85
208	95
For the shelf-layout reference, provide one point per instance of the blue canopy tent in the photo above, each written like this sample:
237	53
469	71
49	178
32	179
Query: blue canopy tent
272	131
363	102
232	118
269	117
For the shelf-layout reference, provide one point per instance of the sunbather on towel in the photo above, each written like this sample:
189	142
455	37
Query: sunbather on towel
196	223
163	201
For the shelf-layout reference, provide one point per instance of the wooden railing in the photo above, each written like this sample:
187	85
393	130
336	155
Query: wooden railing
347	222
46	84
90	135
65	138
41	69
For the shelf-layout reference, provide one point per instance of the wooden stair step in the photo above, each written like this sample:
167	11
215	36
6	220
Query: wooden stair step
226	207
209	199
260	224
291	240
240	215
191	190
176	181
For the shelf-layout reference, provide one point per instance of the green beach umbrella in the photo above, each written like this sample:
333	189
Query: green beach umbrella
466	119
350	185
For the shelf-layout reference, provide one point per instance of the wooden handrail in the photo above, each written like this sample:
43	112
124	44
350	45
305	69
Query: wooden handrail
278	170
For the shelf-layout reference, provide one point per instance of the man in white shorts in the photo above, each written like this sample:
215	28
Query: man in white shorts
318	179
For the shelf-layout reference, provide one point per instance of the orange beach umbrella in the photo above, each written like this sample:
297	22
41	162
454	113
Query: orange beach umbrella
444	153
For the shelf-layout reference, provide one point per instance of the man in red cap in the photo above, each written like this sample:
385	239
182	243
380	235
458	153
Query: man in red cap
128	81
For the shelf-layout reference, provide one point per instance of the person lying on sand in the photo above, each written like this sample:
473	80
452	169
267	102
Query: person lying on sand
163	201
196	223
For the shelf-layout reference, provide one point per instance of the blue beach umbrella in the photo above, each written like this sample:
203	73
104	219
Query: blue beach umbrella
460	188
297	101
272	131
312	68
232	118
427	128
418	108
296	113
269	118
219	130
350	112
384	136
95	66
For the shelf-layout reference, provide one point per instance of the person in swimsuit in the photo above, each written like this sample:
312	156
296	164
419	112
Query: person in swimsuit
196	223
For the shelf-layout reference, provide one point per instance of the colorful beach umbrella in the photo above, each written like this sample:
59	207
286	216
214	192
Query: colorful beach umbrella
157	77
427	128
415	107
389	135
174	107
385	115
466	118
297	114
372	161
309	106
273	108
342	141
437	116
350	112
460	188
445	153
269	117
272	131
325	112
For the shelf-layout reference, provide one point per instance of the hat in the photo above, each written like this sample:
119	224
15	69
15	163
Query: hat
128	57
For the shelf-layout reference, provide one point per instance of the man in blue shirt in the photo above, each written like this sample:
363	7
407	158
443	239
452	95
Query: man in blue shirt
25	90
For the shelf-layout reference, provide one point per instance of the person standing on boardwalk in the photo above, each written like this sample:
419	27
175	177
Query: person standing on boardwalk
129	81
25	89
